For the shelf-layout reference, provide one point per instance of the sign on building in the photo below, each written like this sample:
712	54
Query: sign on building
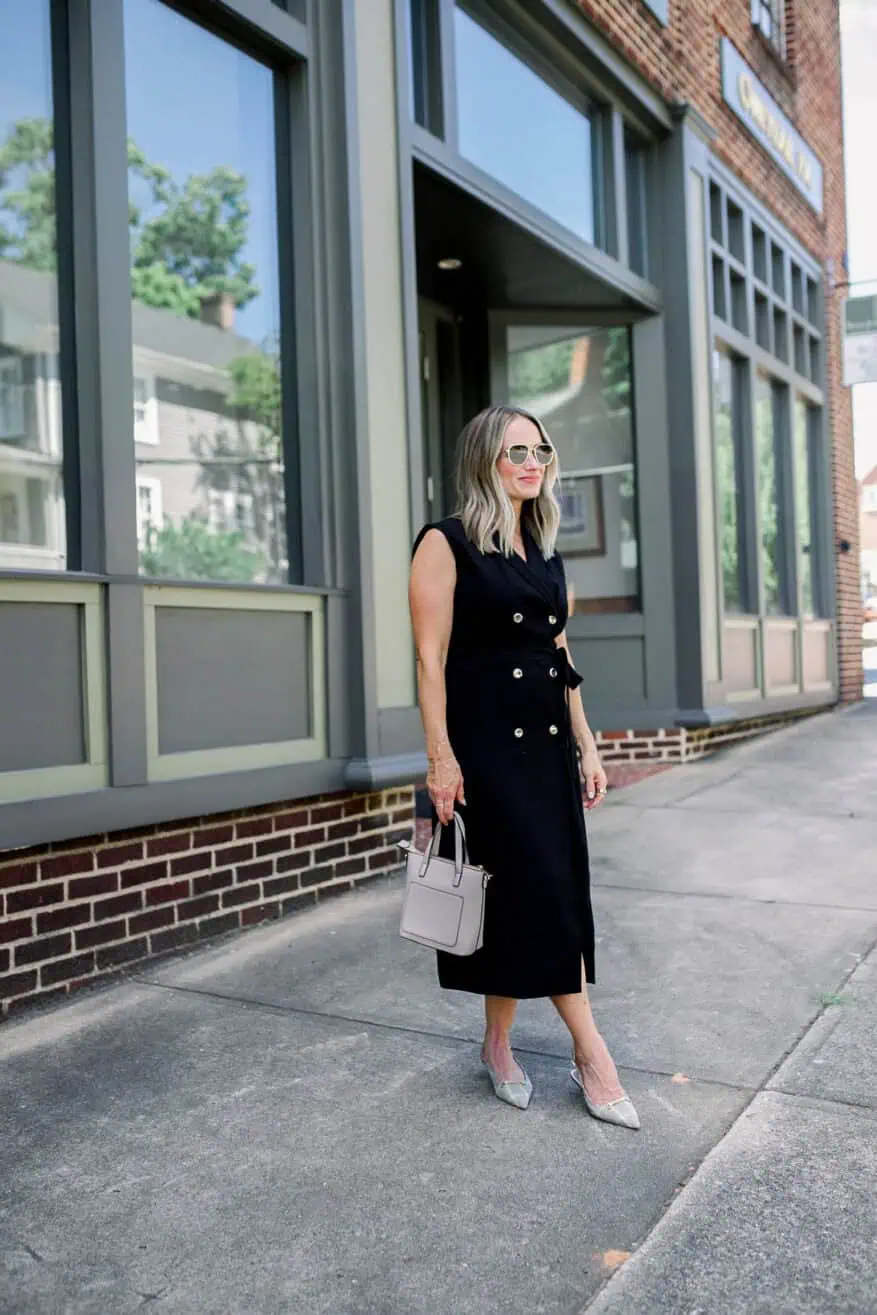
860	340
758	110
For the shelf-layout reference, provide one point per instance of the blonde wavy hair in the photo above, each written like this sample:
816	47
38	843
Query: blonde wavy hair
483	505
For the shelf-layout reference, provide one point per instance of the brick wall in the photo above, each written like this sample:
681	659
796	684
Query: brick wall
77	913
682	63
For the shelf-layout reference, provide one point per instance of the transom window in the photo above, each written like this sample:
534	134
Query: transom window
768	16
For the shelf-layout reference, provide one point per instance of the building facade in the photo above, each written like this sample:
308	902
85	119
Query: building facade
258	262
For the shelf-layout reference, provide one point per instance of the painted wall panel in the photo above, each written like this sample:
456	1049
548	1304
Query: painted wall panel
612	670
740	659
41	686
228	678
384	350
780	656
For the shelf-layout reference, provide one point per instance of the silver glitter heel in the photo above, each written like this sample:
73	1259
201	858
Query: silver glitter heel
513	1093
620	1112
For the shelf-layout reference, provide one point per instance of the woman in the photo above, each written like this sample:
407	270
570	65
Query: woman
504	723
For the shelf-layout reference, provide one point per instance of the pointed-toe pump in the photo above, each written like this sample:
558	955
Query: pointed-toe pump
620	1112
513	1093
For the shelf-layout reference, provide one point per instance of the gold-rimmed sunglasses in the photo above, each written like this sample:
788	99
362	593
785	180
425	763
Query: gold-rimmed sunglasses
517	453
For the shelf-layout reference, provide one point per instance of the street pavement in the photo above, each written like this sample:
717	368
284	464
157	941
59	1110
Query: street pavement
295	1119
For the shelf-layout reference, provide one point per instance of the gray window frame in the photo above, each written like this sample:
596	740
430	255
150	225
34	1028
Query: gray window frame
765	295
316	142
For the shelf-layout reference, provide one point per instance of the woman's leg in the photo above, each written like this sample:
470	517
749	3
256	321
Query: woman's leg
590	1050
499	1013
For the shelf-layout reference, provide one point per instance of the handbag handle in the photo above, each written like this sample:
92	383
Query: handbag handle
461	849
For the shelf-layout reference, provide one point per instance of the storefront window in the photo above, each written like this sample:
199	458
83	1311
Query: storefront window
636	181
578	381
728	383
204	271
32	515
425	55
804	489
521	131
770	468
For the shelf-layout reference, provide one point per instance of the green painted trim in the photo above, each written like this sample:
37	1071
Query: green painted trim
248	757
72	778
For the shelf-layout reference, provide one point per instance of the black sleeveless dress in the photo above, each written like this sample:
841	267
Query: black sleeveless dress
508	723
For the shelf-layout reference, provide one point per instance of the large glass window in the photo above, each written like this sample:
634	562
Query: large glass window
769	457
578	381
207	423
804	502
636	184
32	516
729	382
521	131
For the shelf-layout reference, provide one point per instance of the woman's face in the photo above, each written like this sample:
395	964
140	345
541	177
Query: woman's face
521	483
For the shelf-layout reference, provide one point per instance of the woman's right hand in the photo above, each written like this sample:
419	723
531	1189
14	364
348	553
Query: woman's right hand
444	781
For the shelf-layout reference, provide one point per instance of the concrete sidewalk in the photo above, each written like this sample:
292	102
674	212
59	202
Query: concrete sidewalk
295	1120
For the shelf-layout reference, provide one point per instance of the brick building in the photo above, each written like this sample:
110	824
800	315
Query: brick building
259	261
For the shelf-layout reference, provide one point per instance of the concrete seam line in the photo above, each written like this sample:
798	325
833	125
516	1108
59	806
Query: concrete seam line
758	1091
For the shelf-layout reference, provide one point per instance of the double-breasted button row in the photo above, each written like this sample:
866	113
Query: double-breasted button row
519	616
518	673
519	731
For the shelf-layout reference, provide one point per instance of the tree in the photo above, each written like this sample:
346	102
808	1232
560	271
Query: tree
187	239
192	551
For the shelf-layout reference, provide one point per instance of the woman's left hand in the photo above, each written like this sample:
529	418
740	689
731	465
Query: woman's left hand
592	773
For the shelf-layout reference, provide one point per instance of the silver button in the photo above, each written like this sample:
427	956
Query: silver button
518	618
518	733
552	620
552	672
517	673
552	730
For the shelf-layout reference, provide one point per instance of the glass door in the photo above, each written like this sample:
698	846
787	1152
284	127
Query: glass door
441	404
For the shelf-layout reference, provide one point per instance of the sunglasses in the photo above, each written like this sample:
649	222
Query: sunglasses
517	453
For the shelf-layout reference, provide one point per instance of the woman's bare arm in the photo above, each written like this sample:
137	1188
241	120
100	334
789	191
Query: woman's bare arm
431	598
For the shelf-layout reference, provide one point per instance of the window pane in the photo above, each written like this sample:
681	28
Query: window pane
425	55
637	207
578	381
728	476
768	493
804	504
207	415
32	519
520	130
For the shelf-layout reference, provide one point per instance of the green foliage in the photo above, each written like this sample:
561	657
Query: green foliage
192	551
198	236
256	388
186	238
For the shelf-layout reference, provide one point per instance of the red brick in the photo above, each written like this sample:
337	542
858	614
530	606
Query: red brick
254	871
190	863
175	937
116	854
217	926
46	947
210	836
32	897
350	866
167	893
18	874
293	862
363	844
291	821
152	920
253	826
340	830
212	881
88	937
276	845
112	955
240	895
111	908
325	853
259	913
17	984
280	885
353	807
102	883
37	1000
315	836
385	858
17	929
65	969
374	822
64	865
197	908
234	854
173	844
139	876
327	812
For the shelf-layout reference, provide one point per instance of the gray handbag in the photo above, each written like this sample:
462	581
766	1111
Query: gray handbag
444	898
